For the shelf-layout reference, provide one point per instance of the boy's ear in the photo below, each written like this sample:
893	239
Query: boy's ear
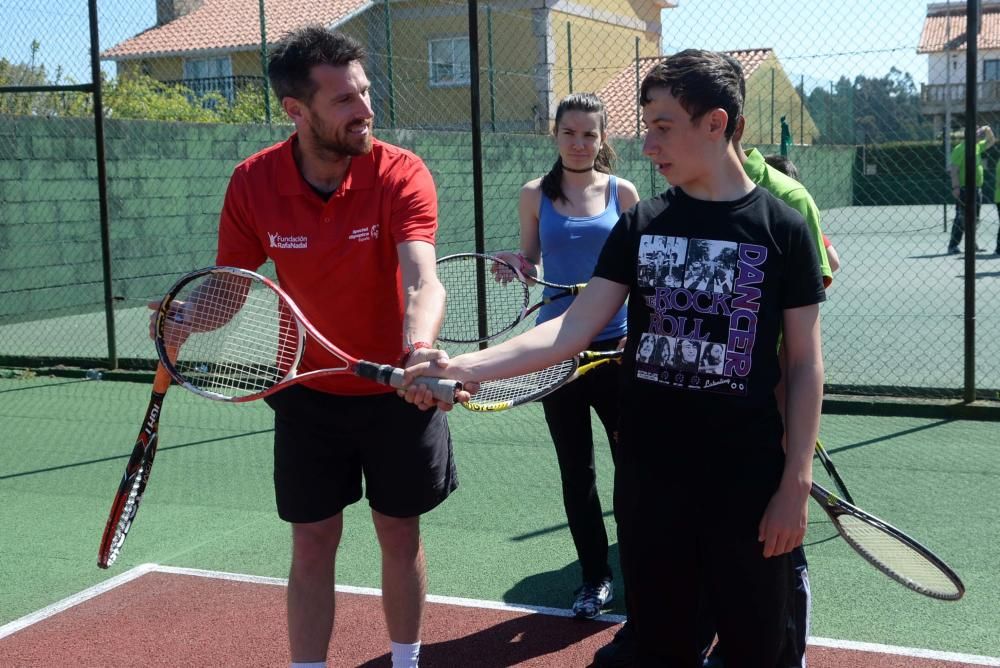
717	121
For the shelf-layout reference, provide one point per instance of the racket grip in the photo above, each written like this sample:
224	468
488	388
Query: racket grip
443	389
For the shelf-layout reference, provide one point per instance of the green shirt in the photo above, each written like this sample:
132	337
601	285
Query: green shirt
958	160
794	194
996	187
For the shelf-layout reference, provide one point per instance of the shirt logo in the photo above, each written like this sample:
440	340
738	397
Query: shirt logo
278	241
367	233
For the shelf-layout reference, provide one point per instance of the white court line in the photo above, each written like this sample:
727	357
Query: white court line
139	571
370	591
75	599
916	652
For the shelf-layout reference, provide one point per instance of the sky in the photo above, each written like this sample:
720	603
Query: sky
818	39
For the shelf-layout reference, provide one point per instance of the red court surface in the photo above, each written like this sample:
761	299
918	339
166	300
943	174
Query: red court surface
176	619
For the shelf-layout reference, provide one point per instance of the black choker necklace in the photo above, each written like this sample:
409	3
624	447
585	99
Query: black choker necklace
578	171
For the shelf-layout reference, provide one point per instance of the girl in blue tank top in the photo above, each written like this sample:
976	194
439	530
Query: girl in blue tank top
566	217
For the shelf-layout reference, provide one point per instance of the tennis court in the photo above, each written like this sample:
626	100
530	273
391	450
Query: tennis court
501	541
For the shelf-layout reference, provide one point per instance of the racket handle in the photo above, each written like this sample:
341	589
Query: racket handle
443	389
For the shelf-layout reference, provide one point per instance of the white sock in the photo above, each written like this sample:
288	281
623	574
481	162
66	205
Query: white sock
405	655
308	664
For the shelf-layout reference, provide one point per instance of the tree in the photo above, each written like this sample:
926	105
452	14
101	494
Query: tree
869	110
127	97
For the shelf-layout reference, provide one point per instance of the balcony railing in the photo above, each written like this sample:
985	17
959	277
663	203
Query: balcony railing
936	95
224	86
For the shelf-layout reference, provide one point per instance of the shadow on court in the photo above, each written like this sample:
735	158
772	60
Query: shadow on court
889	437
125	456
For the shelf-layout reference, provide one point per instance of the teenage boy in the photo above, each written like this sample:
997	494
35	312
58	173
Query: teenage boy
706	500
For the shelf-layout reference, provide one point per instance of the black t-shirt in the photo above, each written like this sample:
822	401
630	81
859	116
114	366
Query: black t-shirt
708	282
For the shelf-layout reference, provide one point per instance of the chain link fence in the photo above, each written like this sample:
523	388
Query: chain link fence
867	99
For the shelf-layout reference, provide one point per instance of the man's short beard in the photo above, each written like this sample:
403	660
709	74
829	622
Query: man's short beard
338	147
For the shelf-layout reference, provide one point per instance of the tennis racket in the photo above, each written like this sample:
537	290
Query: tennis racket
488	296
239	337
499	395
133	484
890	550
831	470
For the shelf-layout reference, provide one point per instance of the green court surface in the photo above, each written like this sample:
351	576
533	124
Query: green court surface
501	537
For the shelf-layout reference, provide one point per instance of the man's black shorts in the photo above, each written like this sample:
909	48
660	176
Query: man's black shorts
324	443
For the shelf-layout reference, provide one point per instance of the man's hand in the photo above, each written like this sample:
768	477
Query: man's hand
175	329
428	362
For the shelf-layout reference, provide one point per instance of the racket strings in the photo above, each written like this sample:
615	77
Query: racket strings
896	558
519	389
503	301
238	338
125	518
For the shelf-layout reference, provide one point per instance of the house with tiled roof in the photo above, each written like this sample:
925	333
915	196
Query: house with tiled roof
531	53
945	41
770	96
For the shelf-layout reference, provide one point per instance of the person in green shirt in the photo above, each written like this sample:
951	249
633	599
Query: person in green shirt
984	140
789	191
996	199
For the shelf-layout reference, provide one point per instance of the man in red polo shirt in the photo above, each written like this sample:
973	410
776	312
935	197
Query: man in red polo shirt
349	223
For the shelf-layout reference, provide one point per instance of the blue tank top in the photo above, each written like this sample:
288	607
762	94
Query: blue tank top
570	248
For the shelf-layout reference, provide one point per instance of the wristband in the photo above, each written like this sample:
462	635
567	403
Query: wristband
526	265
408	350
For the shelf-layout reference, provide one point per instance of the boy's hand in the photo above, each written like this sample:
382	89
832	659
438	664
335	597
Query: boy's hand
429	362
784	523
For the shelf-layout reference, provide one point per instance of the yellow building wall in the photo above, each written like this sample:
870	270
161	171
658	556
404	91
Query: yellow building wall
763	126
161	69
509	92
244	63
596	50
417	102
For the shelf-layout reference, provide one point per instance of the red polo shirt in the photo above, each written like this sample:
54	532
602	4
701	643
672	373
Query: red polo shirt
336	259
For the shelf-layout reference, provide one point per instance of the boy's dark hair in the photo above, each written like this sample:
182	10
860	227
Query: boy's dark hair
605	160
291	61
783	165
701	81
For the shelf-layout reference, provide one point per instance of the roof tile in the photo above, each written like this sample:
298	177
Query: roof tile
940	28
620	94
227	25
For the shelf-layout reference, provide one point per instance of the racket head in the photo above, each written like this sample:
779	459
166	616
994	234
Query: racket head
891	551
237	336
499	395
471	315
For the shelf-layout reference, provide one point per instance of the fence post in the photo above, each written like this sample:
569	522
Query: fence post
263	60
772	106
491	72
388	65
569	53
638	106
102	183
971	192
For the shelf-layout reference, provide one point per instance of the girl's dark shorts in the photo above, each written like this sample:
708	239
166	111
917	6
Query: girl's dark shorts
325	444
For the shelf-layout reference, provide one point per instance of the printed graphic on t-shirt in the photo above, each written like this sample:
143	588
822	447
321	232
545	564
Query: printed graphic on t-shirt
703	296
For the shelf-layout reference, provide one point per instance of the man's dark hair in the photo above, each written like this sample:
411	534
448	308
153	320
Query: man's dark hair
291	61
783	165
701	81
